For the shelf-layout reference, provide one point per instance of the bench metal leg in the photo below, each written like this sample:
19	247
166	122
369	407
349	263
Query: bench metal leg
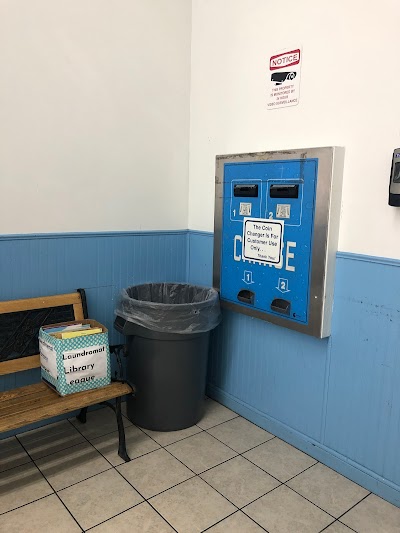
121	431
82	415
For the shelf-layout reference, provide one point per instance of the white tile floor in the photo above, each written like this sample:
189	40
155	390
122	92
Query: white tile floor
223	475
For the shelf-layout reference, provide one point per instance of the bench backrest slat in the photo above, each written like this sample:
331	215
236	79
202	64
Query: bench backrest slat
75	299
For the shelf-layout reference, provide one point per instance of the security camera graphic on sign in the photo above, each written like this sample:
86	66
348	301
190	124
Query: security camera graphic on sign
279	77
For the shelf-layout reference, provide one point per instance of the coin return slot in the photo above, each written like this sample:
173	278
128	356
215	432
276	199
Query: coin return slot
281	306
245	296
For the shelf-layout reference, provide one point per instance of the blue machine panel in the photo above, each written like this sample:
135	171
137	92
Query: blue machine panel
267	232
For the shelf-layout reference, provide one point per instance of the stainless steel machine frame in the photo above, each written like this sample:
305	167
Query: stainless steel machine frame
325	234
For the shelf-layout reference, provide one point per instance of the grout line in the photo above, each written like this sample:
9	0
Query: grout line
141	495
249	503
239	453
228	516
85	441
302	472
162	445
99	436
111	467
326	527
165	448
82	480
171	443
220	441
324	510
352	507
16	466
51	486
93	446
25	504
259	498
166	490
345	525
127	462
252	501
57	451
252	519
134	459
219	521
81	528
119	473
76	483
186	466
180	483
255	501
193	477
114	516
258	445
338	521
224	422
212	467
196	475
162	517
199	475
265	471
31	459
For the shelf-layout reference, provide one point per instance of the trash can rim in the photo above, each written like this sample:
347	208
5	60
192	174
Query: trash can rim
145	303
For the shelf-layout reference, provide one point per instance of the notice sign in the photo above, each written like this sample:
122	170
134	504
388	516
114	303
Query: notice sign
263	240
284	79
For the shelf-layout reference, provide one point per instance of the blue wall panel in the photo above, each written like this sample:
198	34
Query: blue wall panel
101	263
338	399
364	376
281	373
200	253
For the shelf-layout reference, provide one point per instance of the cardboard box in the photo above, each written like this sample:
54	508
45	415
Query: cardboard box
77	364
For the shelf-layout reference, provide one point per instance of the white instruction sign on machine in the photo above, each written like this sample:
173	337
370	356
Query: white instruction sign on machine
284	78
263	240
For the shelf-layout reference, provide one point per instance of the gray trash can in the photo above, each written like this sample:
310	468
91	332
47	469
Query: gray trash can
167	326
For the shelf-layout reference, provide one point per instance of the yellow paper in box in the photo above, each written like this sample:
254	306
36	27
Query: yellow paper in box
82	333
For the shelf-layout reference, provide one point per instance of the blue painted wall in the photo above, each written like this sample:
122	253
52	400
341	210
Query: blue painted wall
338	398
101	263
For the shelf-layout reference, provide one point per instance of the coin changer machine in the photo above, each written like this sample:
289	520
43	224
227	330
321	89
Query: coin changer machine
276	232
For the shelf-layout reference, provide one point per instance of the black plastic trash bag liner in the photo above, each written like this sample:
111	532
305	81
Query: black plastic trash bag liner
170	307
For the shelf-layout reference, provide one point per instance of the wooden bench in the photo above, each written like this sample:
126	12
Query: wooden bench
20	321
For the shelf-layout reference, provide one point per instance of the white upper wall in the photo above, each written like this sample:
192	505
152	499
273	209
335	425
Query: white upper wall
349	96
94	114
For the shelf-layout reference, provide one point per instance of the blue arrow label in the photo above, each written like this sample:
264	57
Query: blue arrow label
283	285
248	277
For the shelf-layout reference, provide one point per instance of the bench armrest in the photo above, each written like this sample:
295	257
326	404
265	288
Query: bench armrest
119	374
